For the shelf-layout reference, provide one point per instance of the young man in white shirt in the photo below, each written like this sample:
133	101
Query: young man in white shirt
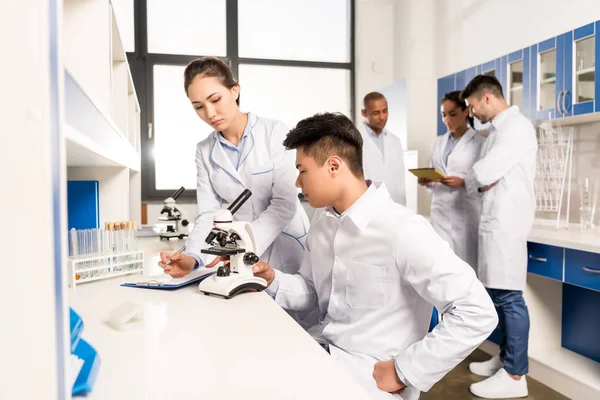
504	174
374	269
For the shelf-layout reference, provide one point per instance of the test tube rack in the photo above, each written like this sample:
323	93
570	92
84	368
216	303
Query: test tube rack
89	269
103	253
553	170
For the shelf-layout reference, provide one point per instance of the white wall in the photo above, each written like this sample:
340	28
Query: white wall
437	38
374	37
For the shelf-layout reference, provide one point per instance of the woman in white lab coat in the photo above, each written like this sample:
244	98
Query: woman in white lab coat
244	152
455	213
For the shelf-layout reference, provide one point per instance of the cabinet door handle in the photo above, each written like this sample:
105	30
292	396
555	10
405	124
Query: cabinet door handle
563	104
558	103
591	270
538	259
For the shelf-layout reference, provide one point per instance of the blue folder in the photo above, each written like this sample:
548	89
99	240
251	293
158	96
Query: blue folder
83	204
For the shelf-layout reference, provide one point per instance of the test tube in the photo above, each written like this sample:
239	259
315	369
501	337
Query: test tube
117	244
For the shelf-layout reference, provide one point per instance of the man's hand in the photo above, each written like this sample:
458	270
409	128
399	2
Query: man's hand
425	182
488	187
180	266
385	375
263	270
453	181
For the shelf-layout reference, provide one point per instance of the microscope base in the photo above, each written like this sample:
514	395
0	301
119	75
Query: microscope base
229	286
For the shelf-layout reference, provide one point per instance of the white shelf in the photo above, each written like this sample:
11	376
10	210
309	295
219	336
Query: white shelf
549	80
93	139
516	88
586	71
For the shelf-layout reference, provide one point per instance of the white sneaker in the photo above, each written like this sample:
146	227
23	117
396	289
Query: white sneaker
486	368
500	386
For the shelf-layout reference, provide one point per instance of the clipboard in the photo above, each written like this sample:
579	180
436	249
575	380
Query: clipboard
428	173
166	282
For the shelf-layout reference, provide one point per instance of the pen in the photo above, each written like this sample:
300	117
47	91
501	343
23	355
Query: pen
178	251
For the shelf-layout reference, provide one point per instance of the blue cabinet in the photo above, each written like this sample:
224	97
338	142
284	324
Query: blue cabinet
518	80
586	55
546	88
581	321
552	79
564	72
582	269
545	260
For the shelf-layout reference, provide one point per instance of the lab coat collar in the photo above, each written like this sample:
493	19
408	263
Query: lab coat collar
361	212
500	118
370	131
218	156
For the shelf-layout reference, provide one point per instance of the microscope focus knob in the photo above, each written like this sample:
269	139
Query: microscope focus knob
223	271
251	259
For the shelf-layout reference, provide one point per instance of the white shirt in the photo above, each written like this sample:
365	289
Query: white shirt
377	139
373	275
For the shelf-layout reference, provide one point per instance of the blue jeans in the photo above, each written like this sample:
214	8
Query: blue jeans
513	323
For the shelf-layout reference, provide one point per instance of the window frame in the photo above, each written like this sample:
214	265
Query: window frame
142	66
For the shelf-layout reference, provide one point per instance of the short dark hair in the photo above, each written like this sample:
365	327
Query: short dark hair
455	98
327	134
372	97
480	84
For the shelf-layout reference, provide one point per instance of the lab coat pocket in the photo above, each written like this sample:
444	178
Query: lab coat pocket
262	178
365	286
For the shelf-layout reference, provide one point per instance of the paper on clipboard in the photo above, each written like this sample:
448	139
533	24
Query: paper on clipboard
428	173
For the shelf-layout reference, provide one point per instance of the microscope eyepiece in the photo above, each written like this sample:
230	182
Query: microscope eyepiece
237	203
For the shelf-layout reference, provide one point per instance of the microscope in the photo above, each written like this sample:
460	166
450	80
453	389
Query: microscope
234	239
173	214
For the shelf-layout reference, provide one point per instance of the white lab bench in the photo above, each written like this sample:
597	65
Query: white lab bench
194	346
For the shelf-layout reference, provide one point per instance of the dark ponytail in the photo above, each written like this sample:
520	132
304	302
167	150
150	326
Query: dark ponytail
459	102
209	67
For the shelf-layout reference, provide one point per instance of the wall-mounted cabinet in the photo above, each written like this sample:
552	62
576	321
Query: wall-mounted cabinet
553	79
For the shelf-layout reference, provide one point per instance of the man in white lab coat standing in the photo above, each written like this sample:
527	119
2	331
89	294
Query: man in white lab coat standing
504	176
374	269
383	155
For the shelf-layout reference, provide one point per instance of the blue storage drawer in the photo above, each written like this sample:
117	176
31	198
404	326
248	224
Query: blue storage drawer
545	260
582	269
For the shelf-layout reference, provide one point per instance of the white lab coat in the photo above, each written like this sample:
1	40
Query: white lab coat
279	222
387	167
375	272
508	209
454	212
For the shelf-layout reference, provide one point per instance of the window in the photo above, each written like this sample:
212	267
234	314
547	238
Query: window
292	30
195	27
291	62
265	86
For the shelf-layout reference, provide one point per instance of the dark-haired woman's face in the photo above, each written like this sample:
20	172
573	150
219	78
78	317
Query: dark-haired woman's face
454	118
213	102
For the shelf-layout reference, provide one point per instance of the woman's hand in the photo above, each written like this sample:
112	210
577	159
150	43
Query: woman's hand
180	265
453	181
425	182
